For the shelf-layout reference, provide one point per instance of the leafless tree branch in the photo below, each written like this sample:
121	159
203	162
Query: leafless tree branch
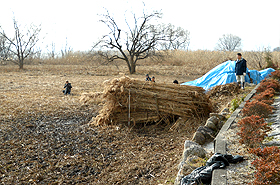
22	44
229	42
142	39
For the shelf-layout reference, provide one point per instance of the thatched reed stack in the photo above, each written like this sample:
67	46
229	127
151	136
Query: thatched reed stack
128	100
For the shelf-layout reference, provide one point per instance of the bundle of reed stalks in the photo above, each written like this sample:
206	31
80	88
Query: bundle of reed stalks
226	90
128	100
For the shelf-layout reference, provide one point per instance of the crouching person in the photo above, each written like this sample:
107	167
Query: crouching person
67	87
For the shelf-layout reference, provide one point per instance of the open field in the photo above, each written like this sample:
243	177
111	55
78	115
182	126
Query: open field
45	137
182	62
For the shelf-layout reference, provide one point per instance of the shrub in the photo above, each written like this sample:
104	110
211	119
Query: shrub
266	96
272	65
252	130
268	83
268	60
257	108
267	165
275	75
234	104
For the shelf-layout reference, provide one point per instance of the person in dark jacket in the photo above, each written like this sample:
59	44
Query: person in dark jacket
67	87
148	78
240	70
175	82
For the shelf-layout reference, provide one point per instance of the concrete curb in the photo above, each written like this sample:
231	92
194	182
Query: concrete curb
219	176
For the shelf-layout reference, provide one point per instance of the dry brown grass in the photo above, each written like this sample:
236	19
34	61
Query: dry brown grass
45	138
40	146
174	63
39	89
201	61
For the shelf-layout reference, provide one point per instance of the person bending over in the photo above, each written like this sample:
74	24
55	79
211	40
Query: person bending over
175	82
67	87
148	78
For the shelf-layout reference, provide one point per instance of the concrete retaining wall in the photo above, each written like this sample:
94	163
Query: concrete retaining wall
219	176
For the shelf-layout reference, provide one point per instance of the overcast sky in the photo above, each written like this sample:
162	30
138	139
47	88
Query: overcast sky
256	22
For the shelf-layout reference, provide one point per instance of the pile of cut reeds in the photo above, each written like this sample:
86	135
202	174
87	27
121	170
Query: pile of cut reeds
226	90
126	99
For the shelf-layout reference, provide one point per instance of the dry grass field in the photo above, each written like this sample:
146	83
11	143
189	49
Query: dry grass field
45	138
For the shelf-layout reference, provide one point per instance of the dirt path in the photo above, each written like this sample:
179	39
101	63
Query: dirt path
274	120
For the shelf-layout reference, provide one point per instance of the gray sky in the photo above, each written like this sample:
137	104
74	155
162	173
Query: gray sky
256	22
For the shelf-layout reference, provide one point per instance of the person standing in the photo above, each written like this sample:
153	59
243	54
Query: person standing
240	70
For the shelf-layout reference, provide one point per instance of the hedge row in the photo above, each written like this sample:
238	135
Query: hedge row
253	130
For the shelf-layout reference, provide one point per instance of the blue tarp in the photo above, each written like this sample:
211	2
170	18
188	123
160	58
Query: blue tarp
266	72
225	73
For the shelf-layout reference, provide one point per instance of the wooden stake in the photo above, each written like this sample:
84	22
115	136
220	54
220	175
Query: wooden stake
129	107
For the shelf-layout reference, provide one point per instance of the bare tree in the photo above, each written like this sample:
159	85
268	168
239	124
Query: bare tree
4	50
37	53
256	58
22	43
176	38
138	43
51	50
66	50
229	42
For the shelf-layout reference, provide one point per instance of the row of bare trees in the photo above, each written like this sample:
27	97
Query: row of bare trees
141	38
16	47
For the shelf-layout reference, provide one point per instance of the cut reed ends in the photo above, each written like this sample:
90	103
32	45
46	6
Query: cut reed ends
126	99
